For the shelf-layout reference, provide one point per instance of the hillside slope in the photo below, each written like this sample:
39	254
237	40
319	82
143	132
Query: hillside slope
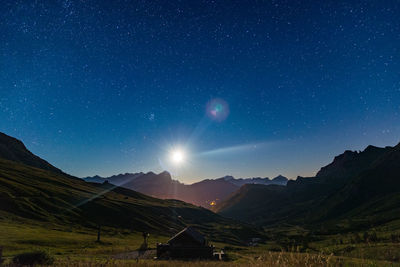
380	183
47	197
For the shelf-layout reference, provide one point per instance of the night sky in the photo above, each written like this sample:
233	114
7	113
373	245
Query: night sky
247	88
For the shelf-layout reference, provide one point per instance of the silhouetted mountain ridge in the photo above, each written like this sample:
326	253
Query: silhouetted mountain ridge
351	163
14	150
281	180
355	185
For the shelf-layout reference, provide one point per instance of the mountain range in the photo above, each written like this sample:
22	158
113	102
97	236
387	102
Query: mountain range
206	193
35	192
358	189
278	180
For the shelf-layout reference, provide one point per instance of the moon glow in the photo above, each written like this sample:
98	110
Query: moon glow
177	156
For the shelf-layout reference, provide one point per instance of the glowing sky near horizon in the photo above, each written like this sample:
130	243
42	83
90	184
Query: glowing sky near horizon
247	88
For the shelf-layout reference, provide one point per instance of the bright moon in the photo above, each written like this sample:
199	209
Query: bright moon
177	156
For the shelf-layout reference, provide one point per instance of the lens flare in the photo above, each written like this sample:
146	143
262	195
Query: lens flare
217	109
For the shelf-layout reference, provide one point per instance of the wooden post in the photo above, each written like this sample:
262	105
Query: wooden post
144	234
98	233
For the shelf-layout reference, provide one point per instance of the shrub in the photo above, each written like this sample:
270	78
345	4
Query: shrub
357	238
373	237
32	258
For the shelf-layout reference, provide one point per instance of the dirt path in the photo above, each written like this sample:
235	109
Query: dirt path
147	254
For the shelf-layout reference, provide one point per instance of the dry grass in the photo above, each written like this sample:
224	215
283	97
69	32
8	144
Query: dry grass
282	259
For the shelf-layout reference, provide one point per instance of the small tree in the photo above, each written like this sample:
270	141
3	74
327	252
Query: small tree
145	238
144	246
33	258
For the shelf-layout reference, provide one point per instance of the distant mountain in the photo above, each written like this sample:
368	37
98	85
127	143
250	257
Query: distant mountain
163	186
119	179
363	185
158	185
256	180
13	149
211	191
253	202
279	180
205	193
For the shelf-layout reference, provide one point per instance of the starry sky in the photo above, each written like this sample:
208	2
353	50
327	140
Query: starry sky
107	87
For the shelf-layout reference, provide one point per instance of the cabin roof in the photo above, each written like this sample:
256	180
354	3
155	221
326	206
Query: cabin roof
190	231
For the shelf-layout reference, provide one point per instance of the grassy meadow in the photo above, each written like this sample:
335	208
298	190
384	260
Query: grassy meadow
78	247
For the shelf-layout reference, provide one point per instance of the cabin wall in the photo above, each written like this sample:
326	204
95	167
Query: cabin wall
192	253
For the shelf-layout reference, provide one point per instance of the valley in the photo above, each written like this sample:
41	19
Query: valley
43	208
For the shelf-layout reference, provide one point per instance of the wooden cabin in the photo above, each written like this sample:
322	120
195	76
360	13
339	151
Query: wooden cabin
187	244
